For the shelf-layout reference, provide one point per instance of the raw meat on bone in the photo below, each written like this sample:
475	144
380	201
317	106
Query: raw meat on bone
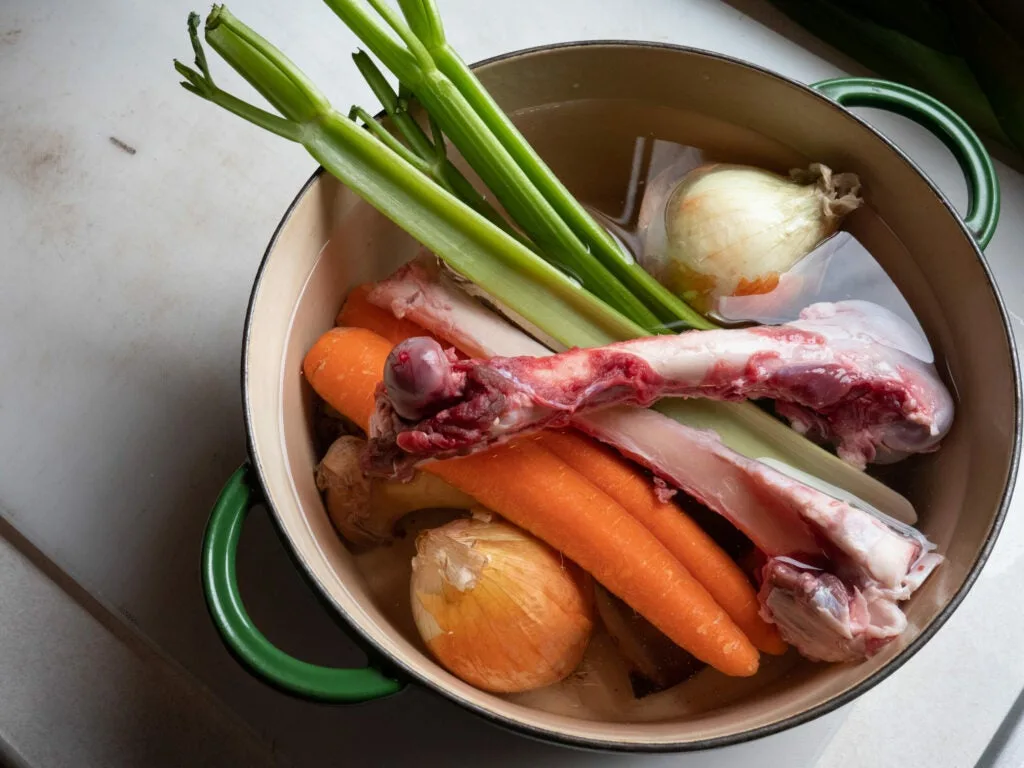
834	374
835	573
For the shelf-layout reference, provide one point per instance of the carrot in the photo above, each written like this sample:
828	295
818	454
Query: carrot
703	558
344	367
606	469
357	312
540	493
530	487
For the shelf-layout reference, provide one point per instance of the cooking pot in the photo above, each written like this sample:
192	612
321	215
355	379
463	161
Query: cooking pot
582	106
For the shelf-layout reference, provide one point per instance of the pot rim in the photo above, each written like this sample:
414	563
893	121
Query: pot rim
831	705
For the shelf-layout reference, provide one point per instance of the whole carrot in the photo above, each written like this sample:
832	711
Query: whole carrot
691	545
540	493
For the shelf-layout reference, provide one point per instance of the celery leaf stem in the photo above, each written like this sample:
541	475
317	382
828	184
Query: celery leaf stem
407	36
390	140
396	58
396	107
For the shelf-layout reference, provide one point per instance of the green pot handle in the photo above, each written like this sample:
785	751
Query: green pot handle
946	125
224	601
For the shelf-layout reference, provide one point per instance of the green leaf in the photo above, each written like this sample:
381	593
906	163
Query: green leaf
997	60
895	56
921	20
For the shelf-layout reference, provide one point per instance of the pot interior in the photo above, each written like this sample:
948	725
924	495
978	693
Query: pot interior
583	108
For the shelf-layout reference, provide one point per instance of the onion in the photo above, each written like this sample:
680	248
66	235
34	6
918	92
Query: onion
733	230
498	608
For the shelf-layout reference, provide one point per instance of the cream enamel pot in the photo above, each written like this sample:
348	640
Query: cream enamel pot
329	241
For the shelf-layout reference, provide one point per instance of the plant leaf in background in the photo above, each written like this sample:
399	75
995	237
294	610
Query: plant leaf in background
920	20
969	54
993	44
1009	14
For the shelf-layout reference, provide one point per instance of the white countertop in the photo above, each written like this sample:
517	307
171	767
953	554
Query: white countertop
126	277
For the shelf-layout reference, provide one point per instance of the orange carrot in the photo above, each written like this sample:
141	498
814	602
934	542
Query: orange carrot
357	312
530	487
540	493
617	477
703	558
344	367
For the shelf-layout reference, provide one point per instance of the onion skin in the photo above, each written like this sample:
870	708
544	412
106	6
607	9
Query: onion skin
735	230
497	607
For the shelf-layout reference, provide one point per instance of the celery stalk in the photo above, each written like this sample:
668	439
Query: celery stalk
492	162
388	139
758	435
464	239
425	20
442	169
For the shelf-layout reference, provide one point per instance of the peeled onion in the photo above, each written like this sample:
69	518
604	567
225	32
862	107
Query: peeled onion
498	608
733	230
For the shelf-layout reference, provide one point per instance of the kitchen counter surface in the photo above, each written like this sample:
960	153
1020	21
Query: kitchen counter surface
134	217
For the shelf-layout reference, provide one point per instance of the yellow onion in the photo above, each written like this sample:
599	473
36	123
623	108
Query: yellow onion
733	230
498	608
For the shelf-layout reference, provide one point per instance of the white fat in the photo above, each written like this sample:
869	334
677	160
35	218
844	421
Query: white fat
922	569
865	320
